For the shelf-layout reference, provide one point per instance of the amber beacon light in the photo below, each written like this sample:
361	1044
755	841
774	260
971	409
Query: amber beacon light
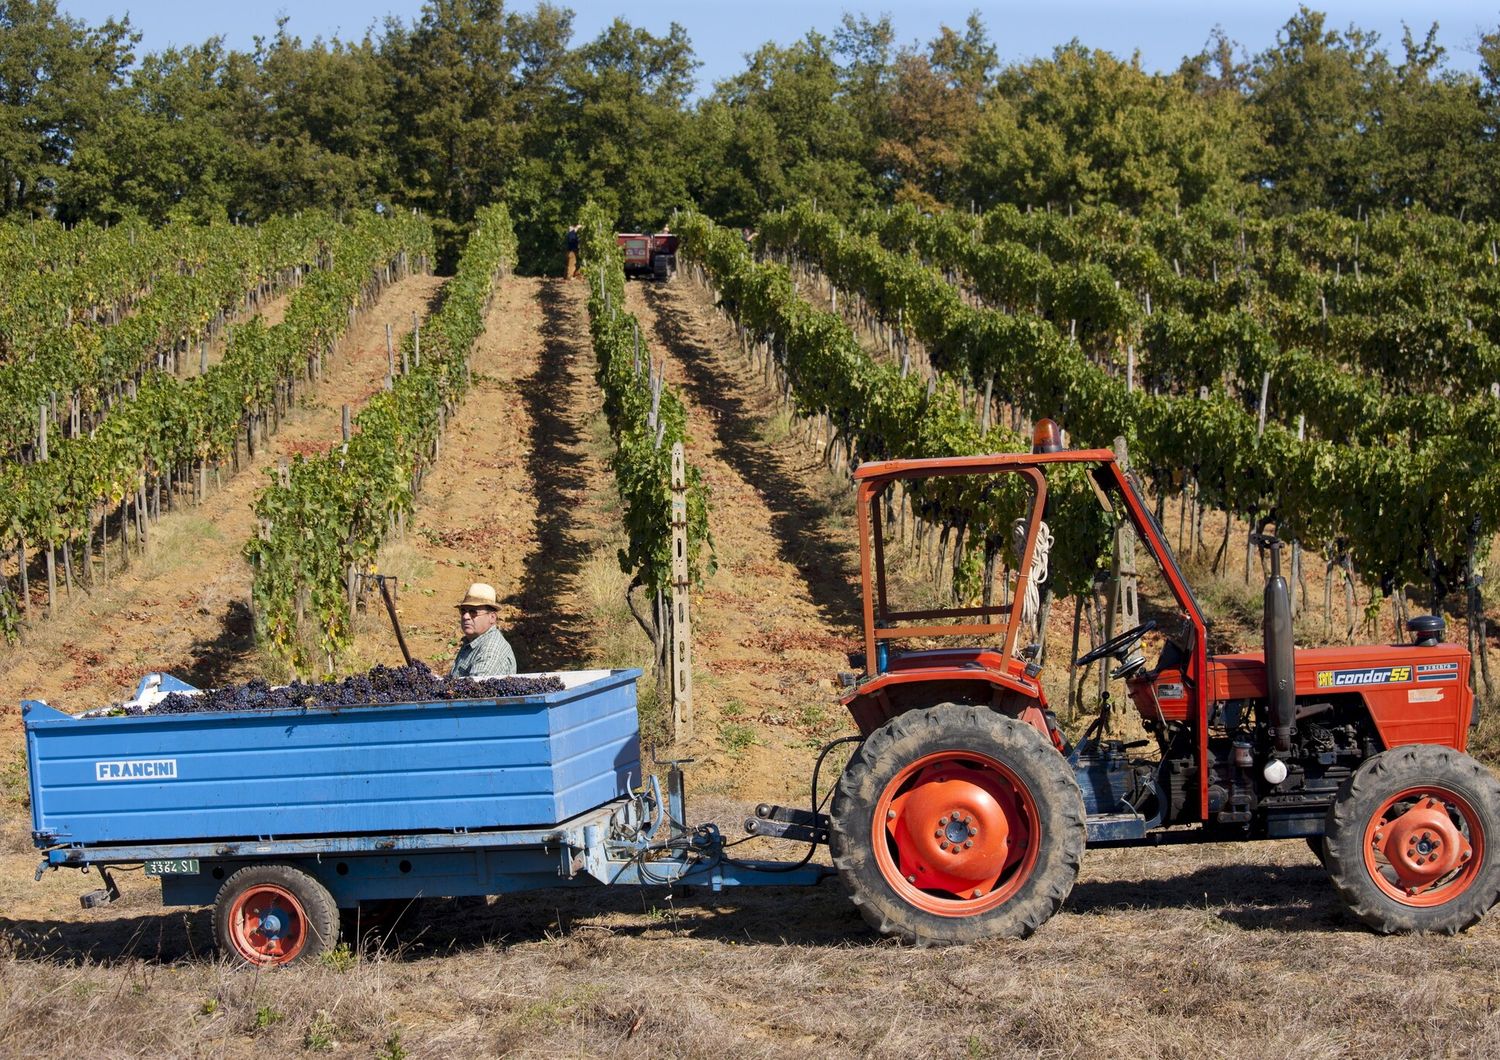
1046	437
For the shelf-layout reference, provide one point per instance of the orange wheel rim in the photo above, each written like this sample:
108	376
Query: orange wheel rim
1424	846
955	833
267	925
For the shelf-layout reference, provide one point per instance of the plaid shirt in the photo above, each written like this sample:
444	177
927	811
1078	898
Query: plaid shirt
487	655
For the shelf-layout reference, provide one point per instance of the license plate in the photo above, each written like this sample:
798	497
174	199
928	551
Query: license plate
171	866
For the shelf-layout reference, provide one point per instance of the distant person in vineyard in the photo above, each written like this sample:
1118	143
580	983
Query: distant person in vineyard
571	272
485	651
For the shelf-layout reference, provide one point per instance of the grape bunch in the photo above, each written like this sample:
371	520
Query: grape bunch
384	684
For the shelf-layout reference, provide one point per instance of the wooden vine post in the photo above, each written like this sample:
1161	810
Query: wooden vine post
1124	602
682	628
51	545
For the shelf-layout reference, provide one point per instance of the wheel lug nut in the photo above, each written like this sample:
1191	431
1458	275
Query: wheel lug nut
968	843
973	830
943	845
938	834
953	816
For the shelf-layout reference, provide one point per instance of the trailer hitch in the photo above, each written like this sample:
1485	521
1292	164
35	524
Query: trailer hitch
784	822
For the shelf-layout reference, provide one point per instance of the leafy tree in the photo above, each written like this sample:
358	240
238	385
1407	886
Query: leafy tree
1318	96
1434	130
454	122
318	124
1220	68
165	146
621	124
782	130
1086	127
56	75
934	110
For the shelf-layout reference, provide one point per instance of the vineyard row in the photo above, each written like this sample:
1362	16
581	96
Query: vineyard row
152	440
1394	365
323	521
1404	515
646	419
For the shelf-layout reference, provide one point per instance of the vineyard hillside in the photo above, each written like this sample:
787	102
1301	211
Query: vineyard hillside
302	345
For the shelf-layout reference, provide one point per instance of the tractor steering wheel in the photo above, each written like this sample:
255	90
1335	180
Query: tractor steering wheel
1118	644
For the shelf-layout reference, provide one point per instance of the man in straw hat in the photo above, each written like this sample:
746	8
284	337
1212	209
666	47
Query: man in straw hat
485	652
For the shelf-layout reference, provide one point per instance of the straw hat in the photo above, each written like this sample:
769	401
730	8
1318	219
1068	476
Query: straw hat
480	595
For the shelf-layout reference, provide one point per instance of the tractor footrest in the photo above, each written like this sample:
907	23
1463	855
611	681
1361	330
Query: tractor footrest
1116	827
783	822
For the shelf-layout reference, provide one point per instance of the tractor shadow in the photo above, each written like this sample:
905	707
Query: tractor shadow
546	635
1290	898
163	938
798	516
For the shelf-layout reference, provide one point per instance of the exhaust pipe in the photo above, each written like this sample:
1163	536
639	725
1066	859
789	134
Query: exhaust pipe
1276	631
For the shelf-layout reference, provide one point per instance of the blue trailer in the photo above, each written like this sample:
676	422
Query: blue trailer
279	819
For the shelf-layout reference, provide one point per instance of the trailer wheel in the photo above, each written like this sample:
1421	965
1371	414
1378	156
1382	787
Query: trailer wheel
953	824
274	914
1411	840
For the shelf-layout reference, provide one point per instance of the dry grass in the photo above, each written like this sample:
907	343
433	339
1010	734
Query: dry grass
1236	950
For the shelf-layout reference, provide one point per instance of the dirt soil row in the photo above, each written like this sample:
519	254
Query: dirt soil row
521	498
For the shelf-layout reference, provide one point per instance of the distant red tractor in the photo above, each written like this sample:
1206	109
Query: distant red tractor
648	256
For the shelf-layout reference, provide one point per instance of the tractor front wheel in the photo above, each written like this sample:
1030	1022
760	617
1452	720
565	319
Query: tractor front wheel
953	824
1411	840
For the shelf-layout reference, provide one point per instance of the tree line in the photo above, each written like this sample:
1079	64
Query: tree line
472	101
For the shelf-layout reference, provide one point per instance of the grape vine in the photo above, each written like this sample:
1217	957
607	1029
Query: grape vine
170	423
882	412
646	418
1404	508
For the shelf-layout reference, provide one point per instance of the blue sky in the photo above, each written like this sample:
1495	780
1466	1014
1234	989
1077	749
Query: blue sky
1162	30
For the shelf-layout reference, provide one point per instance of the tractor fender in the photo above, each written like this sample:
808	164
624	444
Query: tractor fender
888	695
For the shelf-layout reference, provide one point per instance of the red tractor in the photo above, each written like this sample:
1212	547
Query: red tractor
965	810
648	256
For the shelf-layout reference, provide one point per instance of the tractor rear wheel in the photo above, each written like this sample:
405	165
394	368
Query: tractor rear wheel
953	824
1411	840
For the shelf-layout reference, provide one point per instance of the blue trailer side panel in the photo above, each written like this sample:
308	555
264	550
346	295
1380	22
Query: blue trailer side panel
427	767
